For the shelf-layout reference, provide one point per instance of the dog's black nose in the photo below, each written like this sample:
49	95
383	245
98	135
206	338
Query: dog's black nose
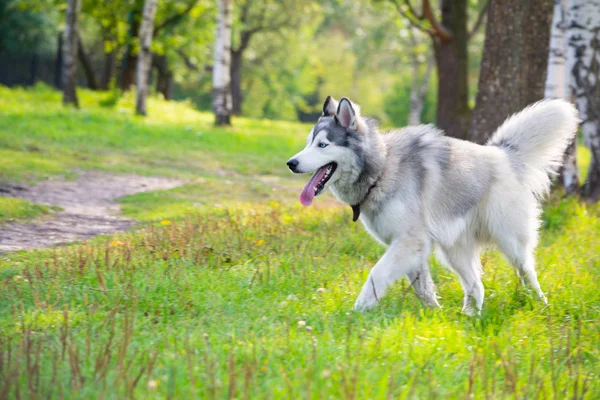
293	163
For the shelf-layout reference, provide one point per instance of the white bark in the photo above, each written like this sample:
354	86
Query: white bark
557	81
222	102
145	56
557	85
584	65
70	53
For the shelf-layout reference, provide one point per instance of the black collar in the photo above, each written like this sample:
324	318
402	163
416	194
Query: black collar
356	207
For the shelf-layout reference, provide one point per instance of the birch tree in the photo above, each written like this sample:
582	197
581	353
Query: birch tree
221	69
557	80
584	65
144	61
70	53
557	85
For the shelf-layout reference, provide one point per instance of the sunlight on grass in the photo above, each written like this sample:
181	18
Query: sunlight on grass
174	137
15	209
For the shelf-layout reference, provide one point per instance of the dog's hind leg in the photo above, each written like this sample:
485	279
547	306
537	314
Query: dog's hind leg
520	254
404	255
516	235
421	282
463	259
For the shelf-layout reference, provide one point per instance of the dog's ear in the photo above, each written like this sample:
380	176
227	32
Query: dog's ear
347	114
329	107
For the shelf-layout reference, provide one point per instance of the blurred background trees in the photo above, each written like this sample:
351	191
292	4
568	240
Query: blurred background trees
282	53
462	64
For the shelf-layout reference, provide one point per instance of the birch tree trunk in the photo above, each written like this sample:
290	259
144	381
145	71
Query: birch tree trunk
145	56
557	80
557	86
584	65
222	103
70	53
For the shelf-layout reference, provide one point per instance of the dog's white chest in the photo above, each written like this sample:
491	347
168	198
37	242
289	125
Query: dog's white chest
387	223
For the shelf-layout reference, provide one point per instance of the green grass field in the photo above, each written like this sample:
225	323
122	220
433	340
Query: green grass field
231	289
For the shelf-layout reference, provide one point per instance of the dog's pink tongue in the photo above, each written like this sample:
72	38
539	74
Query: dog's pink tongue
308	193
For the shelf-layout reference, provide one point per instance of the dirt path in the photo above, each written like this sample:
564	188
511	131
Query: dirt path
89	208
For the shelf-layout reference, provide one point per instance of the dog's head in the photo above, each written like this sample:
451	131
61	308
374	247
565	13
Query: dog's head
333	148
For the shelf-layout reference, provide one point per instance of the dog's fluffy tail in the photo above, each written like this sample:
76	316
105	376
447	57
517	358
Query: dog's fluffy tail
535	139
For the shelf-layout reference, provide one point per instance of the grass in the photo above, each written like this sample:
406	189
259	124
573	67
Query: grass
39	137
231	289
16	209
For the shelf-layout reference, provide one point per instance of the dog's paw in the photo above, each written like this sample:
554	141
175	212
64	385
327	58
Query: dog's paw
431	303
471	311
364	303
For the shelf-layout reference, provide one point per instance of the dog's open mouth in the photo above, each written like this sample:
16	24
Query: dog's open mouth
317	183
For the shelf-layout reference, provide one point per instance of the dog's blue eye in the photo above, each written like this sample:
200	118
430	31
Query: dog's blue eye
323	145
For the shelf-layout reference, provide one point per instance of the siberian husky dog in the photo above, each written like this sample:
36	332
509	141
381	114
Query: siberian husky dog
415	188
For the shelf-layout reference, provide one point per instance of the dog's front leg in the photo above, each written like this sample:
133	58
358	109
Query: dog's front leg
422	283
404	255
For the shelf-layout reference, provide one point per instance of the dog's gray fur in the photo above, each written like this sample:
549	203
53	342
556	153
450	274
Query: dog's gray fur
417	188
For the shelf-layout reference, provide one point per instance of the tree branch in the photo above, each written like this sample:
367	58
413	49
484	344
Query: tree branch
175	17
439	29
410	17
257	61
187	61
247	34
190	64
245	10
412	10
479	21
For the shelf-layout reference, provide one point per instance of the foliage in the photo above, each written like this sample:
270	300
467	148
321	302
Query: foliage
23	28
397	106
298	54
191	35
278	83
